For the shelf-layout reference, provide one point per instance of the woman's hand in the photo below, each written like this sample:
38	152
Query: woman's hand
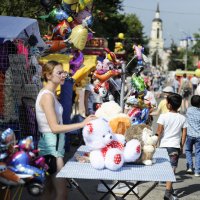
89	118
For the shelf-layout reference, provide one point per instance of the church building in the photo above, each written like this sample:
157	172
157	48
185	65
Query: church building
156	43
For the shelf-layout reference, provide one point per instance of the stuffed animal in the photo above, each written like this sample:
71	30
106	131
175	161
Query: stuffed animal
112	112
135	132
108	150
144	134
120	123
108	110
149	145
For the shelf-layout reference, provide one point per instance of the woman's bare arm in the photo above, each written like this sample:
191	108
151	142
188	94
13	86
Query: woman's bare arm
47	104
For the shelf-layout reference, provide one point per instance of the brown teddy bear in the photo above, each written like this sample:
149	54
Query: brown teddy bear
135	132
148	140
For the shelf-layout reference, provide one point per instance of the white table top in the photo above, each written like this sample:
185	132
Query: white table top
160	171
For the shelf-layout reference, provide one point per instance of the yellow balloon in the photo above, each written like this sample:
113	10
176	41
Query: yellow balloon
79	36
197	72
70	1
118	47
121	36
84	3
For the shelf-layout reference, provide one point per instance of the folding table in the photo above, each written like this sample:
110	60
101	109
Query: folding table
130	174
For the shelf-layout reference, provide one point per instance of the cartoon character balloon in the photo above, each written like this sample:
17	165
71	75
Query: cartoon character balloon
61	31
76	62
79	35
138	83
55	16
138	52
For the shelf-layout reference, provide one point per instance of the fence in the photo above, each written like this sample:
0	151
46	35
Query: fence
18	91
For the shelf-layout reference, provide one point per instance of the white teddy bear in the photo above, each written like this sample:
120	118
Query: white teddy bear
108	150
149	145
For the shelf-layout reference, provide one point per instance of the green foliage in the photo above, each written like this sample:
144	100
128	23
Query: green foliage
108	22
196	47
176	58
21	8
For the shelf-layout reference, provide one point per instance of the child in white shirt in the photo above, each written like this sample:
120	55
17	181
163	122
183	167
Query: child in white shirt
172	134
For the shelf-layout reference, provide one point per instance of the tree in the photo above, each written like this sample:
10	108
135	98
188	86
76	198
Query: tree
108	22
21	8
196	47
175	59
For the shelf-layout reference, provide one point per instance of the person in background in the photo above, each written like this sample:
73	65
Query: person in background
193	135
92	100
195	81
162	106
116	85
175	84
197	91
185	90
155	84
149	98
52	130
172	132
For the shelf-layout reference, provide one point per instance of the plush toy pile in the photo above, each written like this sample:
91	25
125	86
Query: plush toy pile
108	150
112	140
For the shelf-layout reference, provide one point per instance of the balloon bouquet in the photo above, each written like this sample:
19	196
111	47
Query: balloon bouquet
21	163
104	72
70	22
136	106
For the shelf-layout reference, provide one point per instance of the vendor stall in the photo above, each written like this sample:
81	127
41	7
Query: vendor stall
16	72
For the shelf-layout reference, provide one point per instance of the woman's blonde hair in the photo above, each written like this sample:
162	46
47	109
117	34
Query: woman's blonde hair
48	68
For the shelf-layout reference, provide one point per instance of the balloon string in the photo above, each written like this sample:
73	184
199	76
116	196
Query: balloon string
131	61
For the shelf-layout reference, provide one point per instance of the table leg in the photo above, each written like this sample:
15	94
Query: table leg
76	185
131	188
149	190
109	190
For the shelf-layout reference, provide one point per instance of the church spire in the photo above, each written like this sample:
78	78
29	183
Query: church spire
157	15
158	10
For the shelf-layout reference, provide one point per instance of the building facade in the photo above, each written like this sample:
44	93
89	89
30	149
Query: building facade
156	42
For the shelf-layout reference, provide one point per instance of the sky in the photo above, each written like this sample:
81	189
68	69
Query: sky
181	18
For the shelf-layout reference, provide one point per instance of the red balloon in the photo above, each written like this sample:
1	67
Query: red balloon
61	30
56	45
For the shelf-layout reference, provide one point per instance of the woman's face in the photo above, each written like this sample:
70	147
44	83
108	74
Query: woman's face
58	75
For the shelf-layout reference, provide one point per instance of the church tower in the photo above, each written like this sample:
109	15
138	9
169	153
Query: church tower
156	42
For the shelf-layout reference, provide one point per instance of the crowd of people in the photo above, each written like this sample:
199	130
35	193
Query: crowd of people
173	128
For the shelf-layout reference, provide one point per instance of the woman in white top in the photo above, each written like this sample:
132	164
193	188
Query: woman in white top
49	117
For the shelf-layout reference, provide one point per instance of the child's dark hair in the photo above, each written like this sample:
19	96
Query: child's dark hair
174	100
195	101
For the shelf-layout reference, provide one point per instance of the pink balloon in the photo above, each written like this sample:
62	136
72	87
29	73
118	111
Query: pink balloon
76	62
198	65
138	51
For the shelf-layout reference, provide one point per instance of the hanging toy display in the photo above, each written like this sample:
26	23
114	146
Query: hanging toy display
69	22
105	70
20	164
138	83
76	62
